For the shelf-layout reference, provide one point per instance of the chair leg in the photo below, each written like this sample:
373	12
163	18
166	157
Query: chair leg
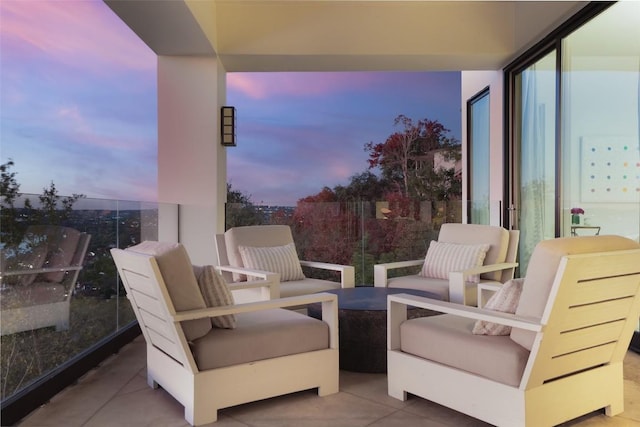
613	409
397	393
151	382
198	414
329	386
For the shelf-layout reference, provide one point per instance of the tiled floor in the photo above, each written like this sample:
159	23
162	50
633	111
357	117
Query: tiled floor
116	394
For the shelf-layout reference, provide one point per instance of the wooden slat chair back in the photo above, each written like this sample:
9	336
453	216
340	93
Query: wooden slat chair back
592	312
153	308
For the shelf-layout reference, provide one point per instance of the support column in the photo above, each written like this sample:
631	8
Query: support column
191	161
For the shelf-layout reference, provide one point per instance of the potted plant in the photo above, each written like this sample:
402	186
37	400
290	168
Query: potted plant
575	215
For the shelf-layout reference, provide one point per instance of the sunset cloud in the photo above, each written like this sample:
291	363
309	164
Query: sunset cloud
79	105
264	85
52	28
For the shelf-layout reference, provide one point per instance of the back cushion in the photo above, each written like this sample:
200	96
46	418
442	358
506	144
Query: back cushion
277	259
177	272
542	269
470	234
443	258
254	236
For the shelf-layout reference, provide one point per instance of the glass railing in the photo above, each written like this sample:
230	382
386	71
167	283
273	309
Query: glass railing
59	290
361	234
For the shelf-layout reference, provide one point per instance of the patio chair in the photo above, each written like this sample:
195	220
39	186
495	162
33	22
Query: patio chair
558	357
209	353
38	277
254	251
463	256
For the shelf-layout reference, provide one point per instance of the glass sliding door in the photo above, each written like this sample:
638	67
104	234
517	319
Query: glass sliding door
534	178
600	125
478	158
574	130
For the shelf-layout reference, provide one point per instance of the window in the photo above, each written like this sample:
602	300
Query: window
478	159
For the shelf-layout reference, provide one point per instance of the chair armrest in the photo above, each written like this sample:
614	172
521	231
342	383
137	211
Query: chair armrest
458	280
347	272
395	302
261	274
397	313
485	290
329	310
266	279
380	271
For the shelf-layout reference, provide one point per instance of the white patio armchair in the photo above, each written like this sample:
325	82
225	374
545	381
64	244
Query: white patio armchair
559	356
209	353
257	251
463	256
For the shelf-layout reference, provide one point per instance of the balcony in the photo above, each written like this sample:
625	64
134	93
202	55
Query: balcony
116	394
362	233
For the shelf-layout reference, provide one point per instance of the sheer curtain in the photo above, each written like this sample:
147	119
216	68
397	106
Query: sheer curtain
537	156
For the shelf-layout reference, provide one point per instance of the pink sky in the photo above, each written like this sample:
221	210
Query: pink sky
78	107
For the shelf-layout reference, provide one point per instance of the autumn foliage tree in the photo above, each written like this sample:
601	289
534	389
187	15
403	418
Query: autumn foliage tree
406	159
343	224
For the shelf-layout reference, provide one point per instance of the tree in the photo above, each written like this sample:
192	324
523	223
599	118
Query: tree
364	186
53	209
406	158
240	210
9	193
49	211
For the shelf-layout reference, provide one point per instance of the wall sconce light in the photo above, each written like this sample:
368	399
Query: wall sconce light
228	126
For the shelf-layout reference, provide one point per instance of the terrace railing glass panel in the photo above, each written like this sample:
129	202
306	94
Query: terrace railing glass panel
97	304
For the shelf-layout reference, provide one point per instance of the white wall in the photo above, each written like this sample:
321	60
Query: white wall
191	161
474	82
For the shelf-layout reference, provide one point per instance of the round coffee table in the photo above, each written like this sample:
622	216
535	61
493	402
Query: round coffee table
362	320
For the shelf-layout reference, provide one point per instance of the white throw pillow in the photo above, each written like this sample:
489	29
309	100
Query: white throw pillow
216	293
276	259
443	258
506	301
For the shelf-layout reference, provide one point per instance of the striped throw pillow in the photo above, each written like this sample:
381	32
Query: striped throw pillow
506	301
443	258
277	259
216	293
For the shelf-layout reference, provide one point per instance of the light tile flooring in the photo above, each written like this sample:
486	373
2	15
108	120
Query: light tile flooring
116	394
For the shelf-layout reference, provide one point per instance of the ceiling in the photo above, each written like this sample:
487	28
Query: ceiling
336	35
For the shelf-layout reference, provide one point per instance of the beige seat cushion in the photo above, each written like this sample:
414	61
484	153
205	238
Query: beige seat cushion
177	272
542	269
447	339
417	282
258	336
469	234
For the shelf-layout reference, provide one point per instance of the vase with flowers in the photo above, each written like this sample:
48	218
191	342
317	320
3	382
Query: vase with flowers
575	215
